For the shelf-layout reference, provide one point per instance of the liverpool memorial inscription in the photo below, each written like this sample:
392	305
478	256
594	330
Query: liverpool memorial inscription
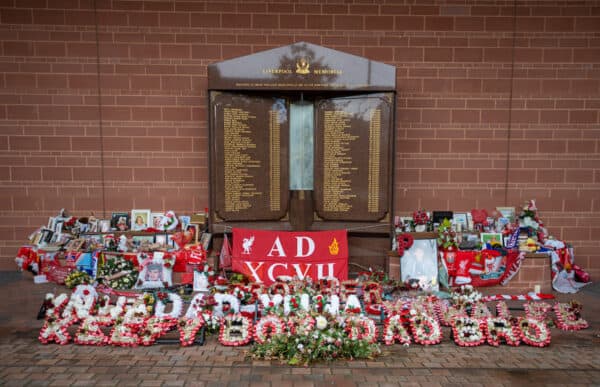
352	158
251	140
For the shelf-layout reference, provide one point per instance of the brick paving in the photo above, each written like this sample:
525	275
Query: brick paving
573	358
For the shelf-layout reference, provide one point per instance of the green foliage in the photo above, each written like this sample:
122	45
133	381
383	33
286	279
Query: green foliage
328	344
446	237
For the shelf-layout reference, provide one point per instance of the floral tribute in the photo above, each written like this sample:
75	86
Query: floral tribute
468	332
537	310
297	328
501	328
568	316
534	333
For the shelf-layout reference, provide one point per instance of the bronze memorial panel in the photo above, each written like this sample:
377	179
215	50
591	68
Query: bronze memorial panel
250	158
352	157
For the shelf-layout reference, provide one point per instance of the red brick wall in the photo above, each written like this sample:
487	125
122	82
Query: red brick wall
454	68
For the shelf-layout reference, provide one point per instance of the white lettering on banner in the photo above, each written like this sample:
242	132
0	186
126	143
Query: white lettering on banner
299	251
253	270
278	248
272	268
320	275
299	272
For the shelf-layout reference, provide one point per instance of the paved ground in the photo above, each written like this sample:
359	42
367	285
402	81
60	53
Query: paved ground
573	358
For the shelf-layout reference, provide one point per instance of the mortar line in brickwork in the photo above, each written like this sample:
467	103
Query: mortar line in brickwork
100	121
510	103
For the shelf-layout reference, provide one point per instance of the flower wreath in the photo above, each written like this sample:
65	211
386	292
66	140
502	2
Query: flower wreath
279	287
502	310
213	322
54	304
123	334
534	333
468	331
361	328
79	307
347	288
480	310
226	303
55	329
500	328
267	327
270	304
352	304
536	311
329	286
394	330
188	328
85	290
375	309
159	308
154	328
426	330
236	330
300	325
318	302
405	242
568	316
89	332
372	292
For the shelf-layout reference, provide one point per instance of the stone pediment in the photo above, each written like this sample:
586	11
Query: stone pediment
301	66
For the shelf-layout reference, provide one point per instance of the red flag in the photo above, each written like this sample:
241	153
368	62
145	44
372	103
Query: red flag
225	257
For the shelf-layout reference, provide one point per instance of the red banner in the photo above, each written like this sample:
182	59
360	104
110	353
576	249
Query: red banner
265	255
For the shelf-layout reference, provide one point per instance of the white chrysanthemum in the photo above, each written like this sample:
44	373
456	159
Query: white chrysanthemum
321	323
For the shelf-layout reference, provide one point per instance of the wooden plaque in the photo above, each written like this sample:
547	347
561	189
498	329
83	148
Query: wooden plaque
352	157
250	158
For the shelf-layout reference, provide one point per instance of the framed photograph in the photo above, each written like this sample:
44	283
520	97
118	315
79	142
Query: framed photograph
196	229
460	218
140	219
185	221
205	240
439	216
139	239
104	225
493	238
507	212
120	221
161	239
419	265
156	219
407	222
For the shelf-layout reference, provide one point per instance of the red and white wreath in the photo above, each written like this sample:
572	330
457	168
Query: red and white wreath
498	328
393	330
468	331
188	329
426	330
534	333
236	330
568	317
361	328
300	325
267	327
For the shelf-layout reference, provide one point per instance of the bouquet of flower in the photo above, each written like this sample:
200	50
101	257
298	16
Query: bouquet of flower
420	217
77	278
118	273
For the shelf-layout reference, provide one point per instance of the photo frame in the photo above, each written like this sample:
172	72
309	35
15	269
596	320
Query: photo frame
492	238
196	229
104	225
184	220
205	240
460	218
419	265
156	271
120	221
75	244
138	239
507	212
439	216
156	219
161	239
407	222
140	219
